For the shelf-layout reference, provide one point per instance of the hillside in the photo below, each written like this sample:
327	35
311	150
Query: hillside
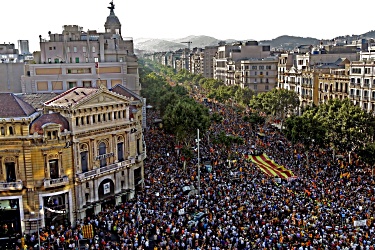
282	42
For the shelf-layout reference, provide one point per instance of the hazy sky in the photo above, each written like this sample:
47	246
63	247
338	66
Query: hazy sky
240	19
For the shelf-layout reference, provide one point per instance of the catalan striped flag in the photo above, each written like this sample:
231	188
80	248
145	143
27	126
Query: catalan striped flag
88	231
269	167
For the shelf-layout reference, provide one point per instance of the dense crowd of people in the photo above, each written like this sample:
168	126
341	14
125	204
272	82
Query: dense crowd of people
329	205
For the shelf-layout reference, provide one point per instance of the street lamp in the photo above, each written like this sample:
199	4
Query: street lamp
199	169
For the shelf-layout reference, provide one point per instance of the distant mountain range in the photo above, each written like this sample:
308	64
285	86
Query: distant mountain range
281	42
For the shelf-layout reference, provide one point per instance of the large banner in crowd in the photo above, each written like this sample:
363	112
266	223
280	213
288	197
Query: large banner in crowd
269	167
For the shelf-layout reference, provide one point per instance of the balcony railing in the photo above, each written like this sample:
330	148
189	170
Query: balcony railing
48	183
104	170
140	157
7	186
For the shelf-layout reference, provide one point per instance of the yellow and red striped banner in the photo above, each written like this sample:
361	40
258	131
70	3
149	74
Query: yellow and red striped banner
269	167
88	231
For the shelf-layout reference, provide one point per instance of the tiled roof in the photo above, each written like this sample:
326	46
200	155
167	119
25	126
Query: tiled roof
37	125
122	90
12	106
71	97
36	100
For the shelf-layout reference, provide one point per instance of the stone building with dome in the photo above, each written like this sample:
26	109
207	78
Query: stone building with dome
35	166
68	156
83	58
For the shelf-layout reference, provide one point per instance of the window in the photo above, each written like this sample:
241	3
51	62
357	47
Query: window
102	151
2	131
266	87
49	60
72	85
120	151
87	84
84	164
50	48
77	59
254	67
93	49
367	71
75	49
10	170
356	70
11	131
261	67
53	169
84	49
68	49
367	82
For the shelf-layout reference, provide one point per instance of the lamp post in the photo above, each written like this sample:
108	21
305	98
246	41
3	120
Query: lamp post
199	169
40	208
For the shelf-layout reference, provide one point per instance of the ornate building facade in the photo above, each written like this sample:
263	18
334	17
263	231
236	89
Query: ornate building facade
81	152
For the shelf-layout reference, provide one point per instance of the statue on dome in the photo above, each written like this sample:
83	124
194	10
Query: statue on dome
112	7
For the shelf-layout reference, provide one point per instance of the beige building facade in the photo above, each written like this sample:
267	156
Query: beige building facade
78	58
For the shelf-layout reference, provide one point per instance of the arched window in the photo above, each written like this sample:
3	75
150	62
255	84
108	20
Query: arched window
2	131
11	132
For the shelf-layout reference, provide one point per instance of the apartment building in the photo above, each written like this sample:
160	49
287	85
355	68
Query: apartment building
362	83
79	58
208	61
260	75
227	56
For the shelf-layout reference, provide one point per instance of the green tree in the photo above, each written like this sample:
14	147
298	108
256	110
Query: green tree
367	155
226	141
348	126
184	118
305	129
